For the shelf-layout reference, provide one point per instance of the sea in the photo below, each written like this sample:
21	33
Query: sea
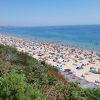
80	36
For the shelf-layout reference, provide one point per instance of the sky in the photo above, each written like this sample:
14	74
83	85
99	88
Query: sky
49	12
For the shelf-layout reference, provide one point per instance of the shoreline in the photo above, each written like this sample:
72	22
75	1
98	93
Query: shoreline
54	41
81	63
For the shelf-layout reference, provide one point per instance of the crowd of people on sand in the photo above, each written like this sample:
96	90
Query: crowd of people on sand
81	63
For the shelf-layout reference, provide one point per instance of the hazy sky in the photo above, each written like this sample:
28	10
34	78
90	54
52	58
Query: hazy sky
49	12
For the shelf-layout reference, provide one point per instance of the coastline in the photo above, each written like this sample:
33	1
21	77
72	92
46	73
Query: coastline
63	57
83	37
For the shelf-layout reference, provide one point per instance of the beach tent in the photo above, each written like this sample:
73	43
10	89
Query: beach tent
59	67
93	70
79	67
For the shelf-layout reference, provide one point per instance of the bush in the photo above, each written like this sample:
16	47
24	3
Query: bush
8	53
43	62
23	78
13	86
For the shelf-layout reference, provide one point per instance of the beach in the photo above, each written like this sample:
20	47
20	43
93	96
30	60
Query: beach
83	64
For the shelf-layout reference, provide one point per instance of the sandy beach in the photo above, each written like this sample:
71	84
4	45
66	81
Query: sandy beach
82	63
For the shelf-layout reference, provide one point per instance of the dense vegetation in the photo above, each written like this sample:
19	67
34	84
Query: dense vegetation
24	78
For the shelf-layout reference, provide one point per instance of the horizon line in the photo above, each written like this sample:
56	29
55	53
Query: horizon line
48	25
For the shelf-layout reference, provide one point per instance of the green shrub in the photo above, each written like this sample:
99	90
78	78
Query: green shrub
13	86
24	78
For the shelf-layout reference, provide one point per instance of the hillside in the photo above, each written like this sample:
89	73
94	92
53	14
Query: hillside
24	78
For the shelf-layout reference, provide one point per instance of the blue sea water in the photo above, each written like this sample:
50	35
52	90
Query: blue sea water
82	36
